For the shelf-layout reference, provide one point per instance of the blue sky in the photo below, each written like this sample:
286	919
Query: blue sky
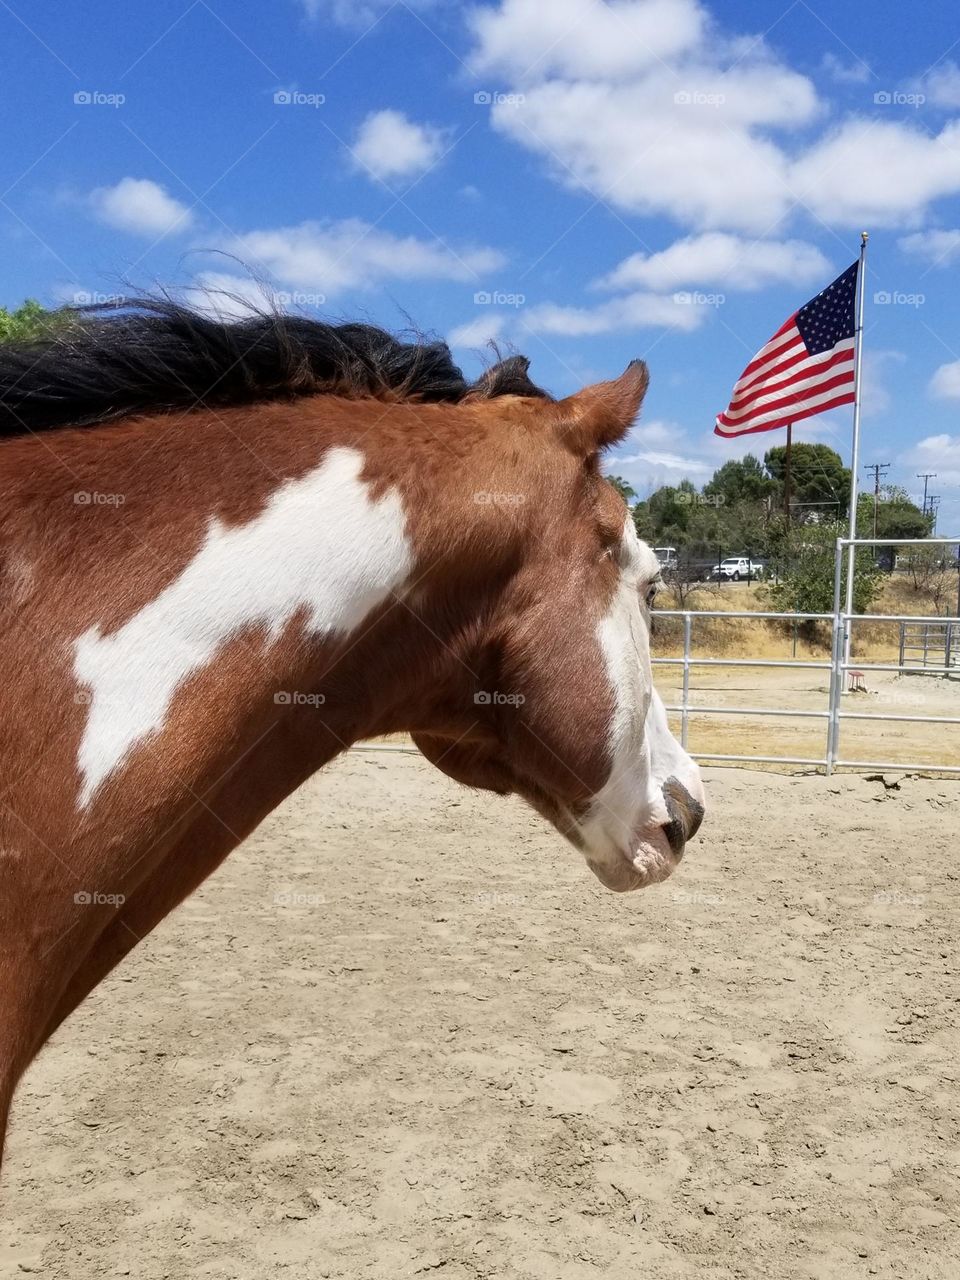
588	182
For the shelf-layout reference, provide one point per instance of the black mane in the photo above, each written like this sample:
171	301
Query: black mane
144	355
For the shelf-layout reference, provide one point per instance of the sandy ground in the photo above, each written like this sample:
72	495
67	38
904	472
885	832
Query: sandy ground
403	1033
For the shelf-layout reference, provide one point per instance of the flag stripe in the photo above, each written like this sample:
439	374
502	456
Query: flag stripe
782	406
842	351
794	349
785	408
775	343
807	367
785	421
798	379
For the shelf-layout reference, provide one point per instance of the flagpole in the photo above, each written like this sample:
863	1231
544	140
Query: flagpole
855	455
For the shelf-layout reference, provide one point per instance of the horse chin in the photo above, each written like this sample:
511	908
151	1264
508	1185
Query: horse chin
649	861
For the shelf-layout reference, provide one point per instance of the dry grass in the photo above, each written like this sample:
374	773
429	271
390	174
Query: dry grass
763	638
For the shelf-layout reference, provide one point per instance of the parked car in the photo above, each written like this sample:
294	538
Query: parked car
735	568
669	560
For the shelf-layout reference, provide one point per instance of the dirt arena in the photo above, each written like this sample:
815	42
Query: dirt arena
404	1033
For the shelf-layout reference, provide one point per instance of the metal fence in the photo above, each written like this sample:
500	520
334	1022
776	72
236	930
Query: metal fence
931	640
833	714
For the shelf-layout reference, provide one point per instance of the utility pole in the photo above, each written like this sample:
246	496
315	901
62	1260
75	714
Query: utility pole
934	507
878	469
926	477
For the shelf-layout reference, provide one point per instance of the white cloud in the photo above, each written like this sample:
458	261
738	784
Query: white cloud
658	453
877	364
139	205
643	104
230	297
945	383
941	248
883	173
641	149
584	37
942	85
390	145
357	13
331	257
717	258
632	311
855	72
940	453
476	333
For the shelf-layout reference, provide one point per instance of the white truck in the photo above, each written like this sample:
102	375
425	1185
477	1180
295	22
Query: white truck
668	558
736	569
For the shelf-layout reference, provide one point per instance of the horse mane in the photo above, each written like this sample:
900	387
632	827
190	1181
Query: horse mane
150	355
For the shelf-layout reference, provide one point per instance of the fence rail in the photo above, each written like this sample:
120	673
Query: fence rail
841	627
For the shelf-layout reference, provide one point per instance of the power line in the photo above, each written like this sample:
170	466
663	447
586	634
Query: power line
926	477
878	469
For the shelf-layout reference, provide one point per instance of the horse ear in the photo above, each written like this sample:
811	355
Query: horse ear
601	415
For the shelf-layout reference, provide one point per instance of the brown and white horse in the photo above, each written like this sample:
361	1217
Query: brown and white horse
228	551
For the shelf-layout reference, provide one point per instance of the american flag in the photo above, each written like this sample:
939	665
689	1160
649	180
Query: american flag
805	368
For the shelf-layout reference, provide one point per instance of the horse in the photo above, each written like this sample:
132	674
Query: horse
232	548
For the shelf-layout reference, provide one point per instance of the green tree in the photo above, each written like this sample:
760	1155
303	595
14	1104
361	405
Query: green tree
817	475
897	515
741	480
29	322
670	509
806	585
625	490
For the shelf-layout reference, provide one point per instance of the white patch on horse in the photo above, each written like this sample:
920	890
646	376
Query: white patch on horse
627	799
322	543
626	818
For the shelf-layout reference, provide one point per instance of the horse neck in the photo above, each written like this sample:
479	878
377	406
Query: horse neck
316	614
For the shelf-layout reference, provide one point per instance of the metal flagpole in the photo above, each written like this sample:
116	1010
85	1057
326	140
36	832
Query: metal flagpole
855	459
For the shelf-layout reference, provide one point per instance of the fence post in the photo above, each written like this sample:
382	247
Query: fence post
836	665
903	641
685	700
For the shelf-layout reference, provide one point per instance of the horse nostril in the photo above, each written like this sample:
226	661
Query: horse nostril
686	814
676	839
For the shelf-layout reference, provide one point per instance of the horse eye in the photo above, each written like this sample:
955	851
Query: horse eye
651	595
